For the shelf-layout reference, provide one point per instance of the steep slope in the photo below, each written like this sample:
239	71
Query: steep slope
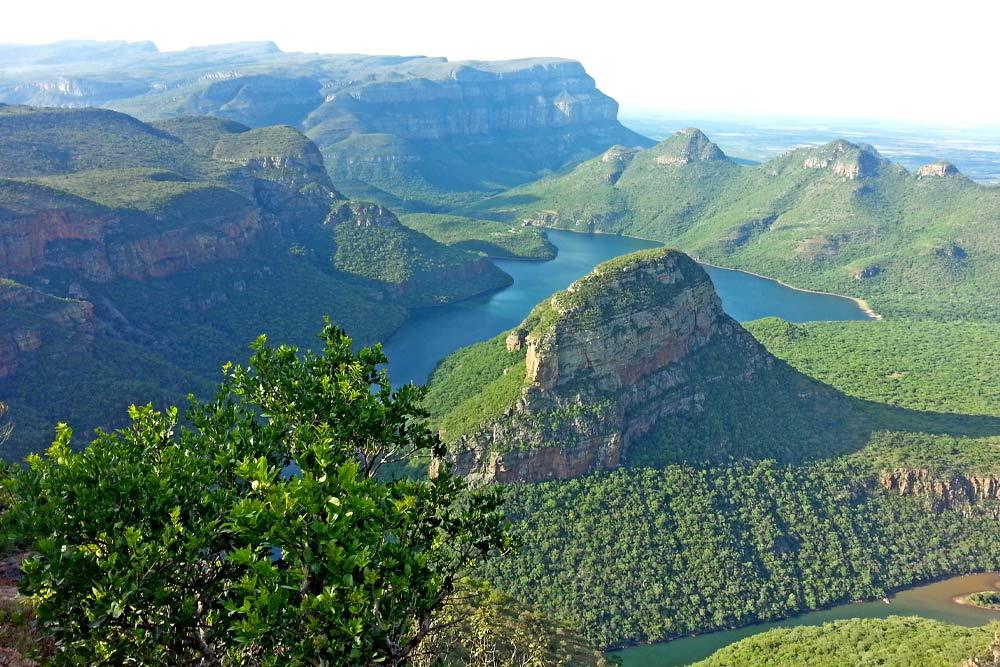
838	217
405	130
133	260
592	369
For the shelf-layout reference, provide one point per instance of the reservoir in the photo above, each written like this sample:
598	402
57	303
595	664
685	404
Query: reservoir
434	333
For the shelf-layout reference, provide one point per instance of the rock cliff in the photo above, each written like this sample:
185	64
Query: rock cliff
957	492
101	244
466	99
31	318
604	361
938	169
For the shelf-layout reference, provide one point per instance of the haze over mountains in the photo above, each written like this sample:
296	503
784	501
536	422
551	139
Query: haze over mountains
415	131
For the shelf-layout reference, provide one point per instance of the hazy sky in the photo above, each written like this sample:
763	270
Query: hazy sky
923	61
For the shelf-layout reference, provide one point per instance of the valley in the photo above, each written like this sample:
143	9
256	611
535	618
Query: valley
581	394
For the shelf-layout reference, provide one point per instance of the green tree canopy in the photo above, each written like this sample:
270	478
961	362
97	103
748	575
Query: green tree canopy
166	543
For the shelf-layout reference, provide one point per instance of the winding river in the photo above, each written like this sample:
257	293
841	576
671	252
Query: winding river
935	601
429	336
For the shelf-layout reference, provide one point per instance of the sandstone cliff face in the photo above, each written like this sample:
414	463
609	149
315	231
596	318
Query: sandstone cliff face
467	99
937	170
960	492
845	159
100	253
613	354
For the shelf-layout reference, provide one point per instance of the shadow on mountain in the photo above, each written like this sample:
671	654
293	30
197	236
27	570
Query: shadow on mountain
785	415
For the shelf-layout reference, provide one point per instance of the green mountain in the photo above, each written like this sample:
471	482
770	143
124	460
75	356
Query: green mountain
838	218
407	131
134	258
670	474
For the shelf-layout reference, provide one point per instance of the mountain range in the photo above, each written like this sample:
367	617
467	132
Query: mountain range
414	132
838	218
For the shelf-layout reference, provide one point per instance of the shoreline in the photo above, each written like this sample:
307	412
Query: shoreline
892	593
964	600
861	303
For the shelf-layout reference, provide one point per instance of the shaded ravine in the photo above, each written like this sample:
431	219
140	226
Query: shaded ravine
432	334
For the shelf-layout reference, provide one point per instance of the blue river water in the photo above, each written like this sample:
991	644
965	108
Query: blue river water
415	349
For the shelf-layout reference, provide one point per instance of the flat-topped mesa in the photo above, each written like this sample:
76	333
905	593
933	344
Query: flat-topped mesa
687	146
604	360
435	100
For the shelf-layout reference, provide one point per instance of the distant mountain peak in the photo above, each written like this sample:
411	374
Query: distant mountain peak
687	146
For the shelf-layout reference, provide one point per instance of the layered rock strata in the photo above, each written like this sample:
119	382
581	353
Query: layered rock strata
604	361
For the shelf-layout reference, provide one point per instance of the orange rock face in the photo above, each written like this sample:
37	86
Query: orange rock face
612	364
31	243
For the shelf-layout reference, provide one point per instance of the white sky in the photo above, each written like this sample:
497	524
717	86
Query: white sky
933	62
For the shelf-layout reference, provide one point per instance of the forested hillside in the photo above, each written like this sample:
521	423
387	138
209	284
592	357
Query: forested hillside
135	258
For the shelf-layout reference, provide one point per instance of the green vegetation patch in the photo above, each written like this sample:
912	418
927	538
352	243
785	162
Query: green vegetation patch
152	191
646	555
474	385
423	271
921	365
495	239
943	456
892	642
987	599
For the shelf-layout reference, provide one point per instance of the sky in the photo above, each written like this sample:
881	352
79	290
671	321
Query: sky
922	62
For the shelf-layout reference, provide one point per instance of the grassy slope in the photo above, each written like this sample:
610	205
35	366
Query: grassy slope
920	365
892	642
808	226
473	385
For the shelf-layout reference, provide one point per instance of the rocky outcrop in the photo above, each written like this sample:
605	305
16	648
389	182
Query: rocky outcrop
362	214
956	492
867	272
687	146
939	169
989	657
950	251
605	360
844	159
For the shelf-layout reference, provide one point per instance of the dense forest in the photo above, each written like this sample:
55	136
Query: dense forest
641	554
